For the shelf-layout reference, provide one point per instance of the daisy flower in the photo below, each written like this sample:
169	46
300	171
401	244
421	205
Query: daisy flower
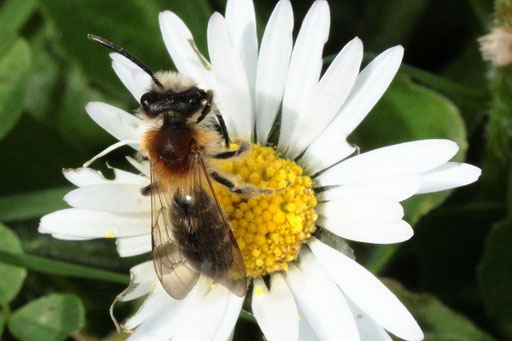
304	286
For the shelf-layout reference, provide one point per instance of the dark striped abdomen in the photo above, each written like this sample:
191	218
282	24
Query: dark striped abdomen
201	233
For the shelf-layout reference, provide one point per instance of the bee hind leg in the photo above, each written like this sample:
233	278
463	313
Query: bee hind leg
246	190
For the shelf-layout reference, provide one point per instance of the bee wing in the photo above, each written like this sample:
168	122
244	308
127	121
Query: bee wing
176	275
207	245
226	267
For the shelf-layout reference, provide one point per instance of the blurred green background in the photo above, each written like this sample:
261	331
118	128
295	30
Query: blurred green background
455	274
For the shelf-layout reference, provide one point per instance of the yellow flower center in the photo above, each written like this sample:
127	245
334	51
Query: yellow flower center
269	229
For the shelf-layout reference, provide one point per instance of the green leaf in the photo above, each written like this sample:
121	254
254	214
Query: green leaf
437	321
36	153
14	13
392	21
71	118
56	267
495	270
32	205
48	318
43	90
12	276
495	276
410	112
132	25
14	69
2	324
453	230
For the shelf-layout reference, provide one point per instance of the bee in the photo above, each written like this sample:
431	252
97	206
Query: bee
191	235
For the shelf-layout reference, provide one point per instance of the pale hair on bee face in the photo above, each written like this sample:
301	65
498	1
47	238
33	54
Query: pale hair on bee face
172	81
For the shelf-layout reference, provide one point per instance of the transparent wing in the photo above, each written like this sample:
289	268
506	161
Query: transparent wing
224	262
173	271
191	236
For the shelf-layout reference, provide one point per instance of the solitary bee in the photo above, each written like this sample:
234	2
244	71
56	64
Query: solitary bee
190	232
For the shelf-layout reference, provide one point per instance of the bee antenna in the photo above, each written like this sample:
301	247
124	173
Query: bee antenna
127	54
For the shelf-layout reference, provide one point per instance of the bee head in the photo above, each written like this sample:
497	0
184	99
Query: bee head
171	93
185	103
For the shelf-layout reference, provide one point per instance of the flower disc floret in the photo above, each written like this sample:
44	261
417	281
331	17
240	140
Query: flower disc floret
269	229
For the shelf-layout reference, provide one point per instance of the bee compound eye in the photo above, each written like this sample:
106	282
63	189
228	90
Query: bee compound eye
196	96
147	101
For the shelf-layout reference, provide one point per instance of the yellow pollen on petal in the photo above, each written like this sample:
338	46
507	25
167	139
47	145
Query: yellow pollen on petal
212	286
259	291
109	235
269	228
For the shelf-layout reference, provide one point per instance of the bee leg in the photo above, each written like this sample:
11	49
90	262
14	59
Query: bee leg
223	129
244	146
207	106
247	190
147	190
141	157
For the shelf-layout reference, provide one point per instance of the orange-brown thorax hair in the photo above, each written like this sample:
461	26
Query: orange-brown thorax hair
172	151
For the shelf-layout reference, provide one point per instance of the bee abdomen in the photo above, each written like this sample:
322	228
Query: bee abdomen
199	230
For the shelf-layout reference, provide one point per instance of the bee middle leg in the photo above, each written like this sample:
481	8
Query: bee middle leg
247	190
244	146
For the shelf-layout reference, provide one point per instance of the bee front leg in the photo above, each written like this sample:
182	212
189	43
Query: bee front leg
247	190
147	190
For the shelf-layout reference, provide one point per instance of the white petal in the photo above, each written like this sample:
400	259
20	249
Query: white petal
328	96
314	292
369	87
397	187
273	61
117	122
409	157
232	91
386	233
305	67
319	156
156	303
177	39
306	332
210	312
95	224
132	143
133	246
361	210
161	316
136	80
367	292
226	327
124	177
116	198
87	176
143	280
369	330
142	167
275	310
84	176
66	237
241	23
449	175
